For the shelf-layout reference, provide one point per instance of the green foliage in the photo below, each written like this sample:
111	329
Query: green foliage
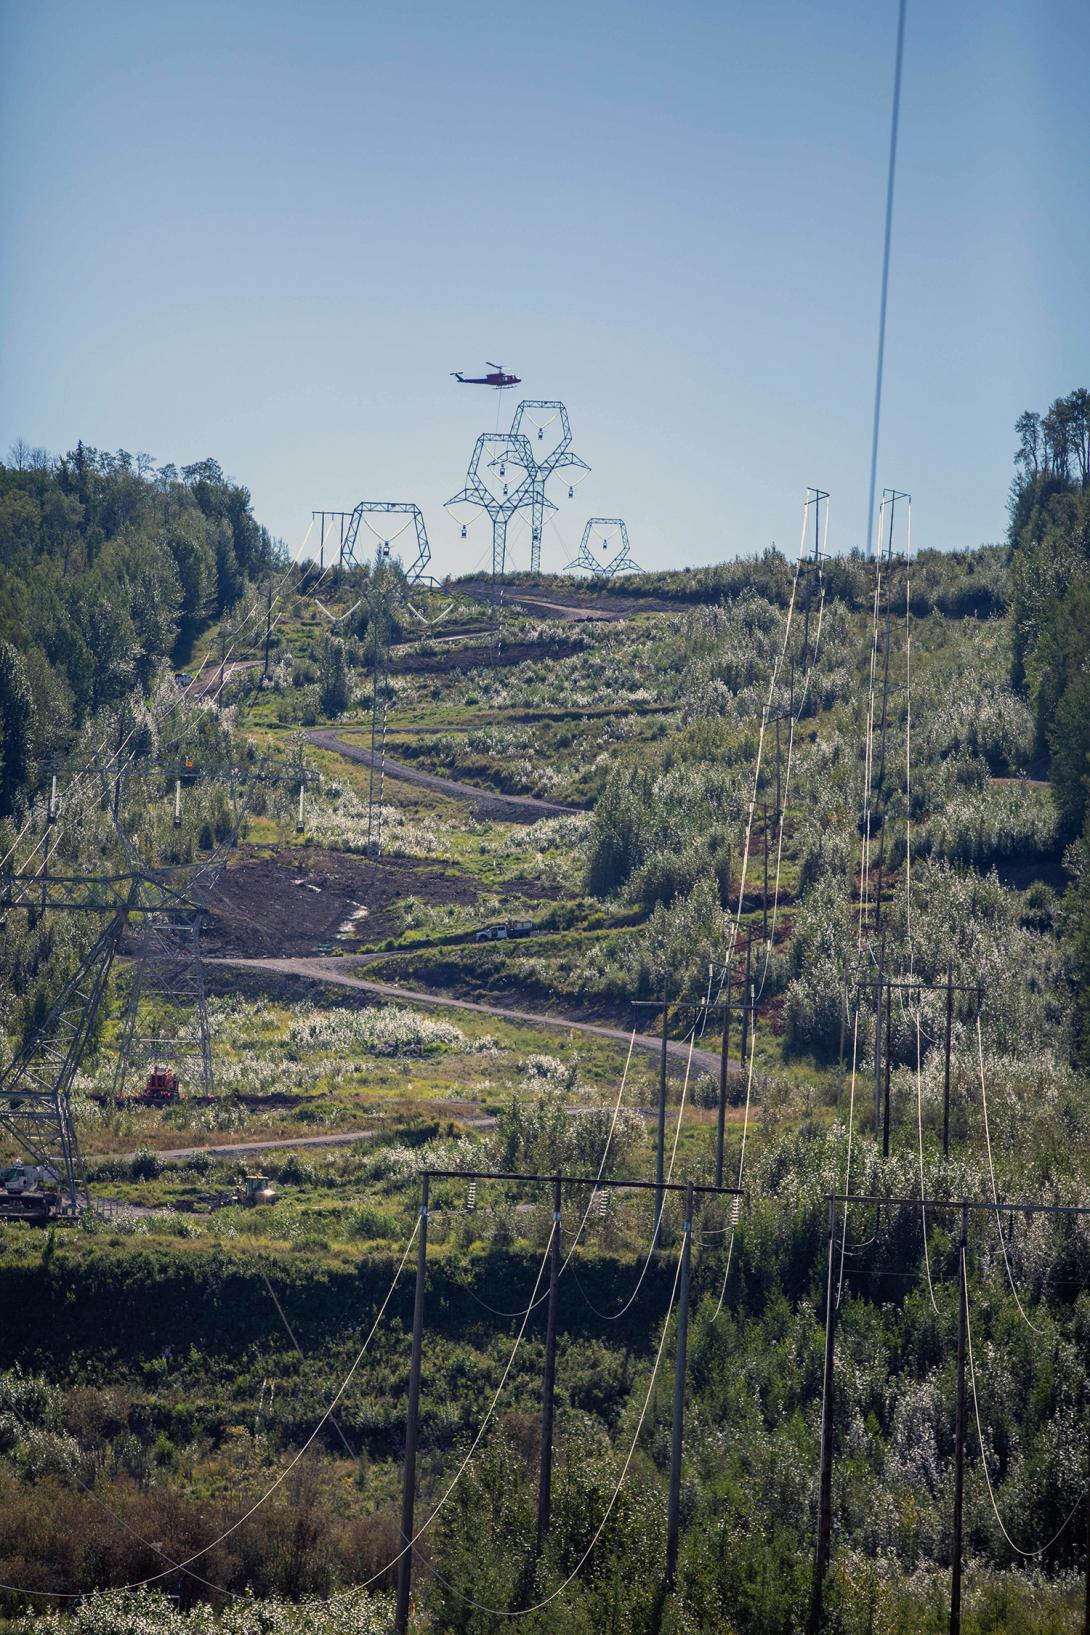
333	690
108	568
16	727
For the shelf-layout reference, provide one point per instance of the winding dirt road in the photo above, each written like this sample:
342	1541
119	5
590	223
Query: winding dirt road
486	802
333	970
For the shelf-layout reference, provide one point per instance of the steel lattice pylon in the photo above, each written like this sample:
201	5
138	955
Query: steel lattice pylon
350	527
168	978
35	1109
491	452
619	563
558	457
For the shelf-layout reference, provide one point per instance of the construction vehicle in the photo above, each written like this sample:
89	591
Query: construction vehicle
28	1192
160	1087
254	1190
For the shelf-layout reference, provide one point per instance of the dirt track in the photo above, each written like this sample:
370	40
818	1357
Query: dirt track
333	970
576	608
486	802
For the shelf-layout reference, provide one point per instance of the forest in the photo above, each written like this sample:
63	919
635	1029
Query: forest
175	1364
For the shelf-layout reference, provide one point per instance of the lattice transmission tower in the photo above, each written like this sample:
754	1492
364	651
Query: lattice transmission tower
491	488
167	981
36	1116
544	463
350	522
600	563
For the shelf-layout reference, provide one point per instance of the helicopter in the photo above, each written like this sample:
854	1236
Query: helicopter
499	379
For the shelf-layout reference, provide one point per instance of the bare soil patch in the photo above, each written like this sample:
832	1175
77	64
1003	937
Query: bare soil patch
297	901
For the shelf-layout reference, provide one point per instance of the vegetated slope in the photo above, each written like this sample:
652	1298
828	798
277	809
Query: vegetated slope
646	887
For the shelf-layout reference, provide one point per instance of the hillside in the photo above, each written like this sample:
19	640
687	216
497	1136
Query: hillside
860	812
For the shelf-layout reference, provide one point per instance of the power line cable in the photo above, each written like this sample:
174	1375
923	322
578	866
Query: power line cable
524	1612
180	1566
995	1191
891	177
612	1317
1017	1548
496	1312
919	1128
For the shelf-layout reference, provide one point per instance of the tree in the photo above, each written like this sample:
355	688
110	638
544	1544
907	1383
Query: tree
1028	427
333	678
16	727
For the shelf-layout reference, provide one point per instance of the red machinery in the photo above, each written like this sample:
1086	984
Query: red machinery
161	1088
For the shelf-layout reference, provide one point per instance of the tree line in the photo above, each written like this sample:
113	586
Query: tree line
109	568
1050	587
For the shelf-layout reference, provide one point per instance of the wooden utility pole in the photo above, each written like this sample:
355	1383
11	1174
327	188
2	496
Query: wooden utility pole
268	630
878	1036
825	1476
888	1069
223	667
779	806
674	1511
764	892
1086	1612
946	1065
660	1145
408	1489
747	1002
959	1429
545	1480
724	1071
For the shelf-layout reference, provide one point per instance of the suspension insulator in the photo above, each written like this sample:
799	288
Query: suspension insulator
463	530
505	488
503	468
540	433
571	492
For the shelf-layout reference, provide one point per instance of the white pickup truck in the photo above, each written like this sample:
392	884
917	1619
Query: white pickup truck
501	933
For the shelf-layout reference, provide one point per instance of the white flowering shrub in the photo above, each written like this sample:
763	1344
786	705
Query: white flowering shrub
150	1612
383	1031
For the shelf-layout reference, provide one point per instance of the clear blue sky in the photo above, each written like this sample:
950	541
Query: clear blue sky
267	232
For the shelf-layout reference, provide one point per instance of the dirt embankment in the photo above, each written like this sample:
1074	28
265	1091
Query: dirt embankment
298	900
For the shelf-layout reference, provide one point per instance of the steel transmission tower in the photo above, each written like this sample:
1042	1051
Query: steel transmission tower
350	522
168	978
604	566
543	466
492	453
35	1109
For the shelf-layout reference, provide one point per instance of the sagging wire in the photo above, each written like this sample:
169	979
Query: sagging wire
765	712
464	1466
995	1191
741	1155
1017	1548
496	1312
908	746
919	1128
848	1162
796	717
299	1351
523	1612
156	1549
182	1566
868	759
611	1317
